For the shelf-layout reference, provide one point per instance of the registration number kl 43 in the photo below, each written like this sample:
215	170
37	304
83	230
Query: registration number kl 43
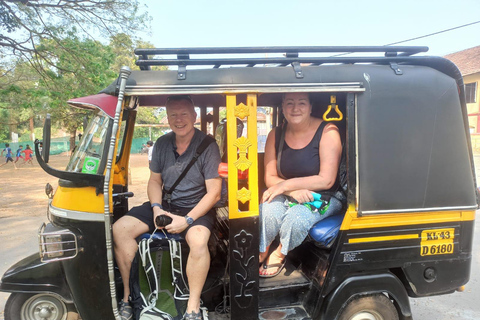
437	241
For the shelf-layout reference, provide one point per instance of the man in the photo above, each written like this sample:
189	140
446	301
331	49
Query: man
192	202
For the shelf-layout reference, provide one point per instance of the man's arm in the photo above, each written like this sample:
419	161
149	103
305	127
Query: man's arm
154	192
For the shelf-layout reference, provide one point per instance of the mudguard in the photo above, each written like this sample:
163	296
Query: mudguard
30	275
367	284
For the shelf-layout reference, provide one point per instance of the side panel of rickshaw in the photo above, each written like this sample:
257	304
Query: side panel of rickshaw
414	214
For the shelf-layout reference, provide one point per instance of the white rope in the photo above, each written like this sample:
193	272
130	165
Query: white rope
151	301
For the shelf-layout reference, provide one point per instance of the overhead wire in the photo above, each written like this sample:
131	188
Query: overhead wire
420	37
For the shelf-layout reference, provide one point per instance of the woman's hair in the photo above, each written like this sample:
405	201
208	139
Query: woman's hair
309	95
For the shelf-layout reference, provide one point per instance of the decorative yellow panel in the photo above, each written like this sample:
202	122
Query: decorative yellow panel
244	195
242	155
242	144
242	111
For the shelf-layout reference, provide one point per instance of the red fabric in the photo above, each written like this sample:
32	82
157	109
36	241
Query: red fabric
102	101
28	154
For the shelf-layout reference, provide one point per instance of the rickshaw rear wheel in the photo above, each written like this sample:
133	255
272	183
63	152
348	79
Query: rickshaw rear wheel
370	307
42	306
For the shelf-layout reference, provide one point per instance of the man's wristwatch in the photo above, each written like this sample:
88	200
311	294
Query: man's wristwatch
156	204
189	220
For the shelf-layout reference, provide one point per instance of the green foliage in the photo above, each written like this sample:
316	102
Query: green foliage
49	55
26	94
25	24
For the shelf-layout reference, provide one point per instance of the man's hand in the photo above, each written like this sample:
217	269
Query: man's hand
157	212
178	224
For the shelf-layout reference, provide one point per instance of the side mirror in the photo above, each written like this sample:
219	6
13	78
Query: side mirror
47	129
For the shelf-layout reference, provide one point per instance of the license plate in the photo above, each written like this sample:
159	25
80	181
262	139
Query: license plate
437	241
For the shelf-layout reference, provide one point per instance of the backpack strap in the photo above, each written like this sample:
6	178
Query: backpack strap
203	145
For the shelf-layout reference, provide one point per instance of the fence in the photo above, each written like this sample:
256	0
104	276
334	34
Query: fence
61	145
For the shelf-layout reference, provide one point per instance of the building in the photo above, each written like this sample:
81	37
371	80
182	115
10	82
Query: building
468	61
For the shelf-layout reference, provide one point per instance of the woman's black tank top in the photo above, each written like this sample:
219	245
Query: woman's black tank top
297	163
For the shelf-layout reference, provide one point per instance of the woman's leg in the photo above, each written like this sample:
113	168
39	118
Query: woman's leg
298	221
271	216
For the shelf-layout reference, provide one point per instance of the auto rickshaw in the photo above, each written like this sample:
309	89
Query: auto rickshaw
408	171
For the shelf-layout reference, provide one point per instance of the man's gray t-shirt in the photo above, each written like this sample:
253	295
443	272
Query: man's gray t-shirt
192	187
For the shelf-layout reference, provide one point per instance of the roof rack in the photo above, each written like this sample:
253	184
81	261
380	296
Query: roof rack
290	55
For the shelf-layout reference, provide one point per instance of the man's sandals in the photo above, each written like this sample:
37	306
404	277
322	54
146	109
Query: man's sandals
266	266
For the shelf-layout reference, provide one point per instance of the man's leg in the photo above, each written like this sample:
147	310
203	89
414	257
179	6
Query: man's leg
198	264
125	232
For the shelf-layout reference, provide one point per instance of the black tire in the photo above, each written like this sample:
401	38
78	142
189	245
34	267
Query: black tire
23	306
371	307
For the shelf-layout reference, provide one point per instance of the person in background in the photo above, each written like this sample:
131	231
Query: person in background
308	162
18	154
8	155
28	154
150	150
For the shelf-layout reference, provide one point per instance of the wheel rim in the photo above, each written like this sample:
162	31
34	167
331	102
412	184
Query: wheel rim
367	315
43	307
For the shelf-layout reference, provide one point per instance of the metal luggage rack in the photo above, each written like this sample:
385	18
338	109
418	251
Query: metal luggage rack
285	56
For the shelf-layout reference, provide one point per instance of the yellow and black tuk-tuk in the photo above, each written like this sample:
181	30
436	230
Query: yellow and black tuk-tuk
407	230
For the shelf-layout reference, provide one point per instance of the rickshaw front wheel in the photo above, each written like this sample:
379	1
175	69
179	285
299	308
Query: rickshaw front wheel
42	306
370	307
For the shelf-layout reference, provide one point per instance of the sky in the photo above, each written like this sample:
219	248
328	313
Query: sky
232	23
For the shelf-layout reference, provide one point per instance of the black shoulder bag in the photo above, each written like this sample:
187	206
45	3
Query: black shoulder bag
167	194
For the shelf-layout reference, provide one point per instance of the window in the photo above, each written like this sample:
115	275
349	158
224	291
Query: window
471	92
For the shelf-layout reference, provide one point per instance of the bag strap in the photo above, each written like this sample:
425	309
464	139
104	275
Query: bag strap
282	128
203	145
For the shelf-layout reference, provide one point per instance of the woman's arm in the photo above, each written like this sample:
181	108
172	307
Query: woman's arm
270	161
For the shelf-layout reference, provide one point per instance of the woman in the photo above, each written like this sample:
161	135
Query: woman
309	161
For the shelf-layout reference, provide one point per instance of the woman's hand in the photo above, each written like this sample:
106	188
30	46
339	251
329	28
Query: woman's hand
272	192
302	195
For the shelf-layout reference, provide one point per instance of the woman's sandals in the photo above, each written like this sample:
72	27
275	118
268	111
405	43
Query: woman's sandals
265	266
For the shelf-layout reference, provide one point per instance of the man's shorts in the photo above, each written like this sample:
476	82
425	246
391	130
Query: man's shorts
144	213
9	159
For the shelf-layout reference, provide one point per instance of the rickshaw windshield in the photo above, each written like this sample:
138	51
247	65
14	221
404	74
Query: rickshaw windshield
89	152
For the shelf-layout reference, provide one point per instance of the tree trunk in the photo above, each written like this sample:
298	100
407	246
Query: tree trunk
32	133
73	134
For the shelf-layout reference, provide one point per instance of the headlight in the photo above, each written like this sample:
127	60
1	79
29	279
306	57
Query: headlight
56	244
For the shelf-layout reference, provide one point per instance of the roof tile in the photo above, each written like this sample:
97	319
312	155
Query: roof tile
468	60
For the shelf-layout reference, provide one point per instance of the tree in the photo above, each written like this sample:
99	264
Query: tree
93	62
25	24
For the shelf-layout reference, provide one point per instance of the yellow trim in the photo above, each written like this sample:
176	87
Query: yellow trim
384	238
352	221
249	149
231	102
252	155
78	199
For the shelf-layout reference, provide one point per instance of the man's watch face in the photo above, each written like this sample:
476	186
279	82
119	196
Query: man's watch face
189	220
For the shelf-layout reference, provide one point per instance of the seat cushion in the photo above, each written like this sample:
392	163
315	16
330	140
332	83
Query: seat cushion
326	230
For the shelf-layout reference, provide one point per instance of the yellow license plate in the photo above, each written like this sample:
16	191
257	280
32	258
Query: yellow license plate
437	241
